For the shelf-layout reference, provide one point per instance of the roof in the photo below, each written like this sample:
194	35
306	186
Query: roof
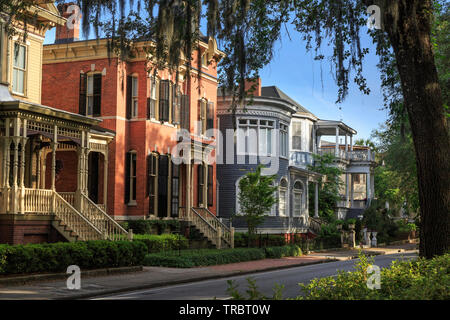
274	91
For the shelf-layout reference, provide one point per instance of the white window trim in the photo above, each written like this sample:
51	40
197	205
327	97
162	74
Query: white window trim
258	127
286	143
134	98
302	198
132	202
286	197
25	76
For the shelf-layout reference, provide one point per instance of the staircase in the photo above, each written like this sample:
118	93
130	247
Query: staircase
315	225
220	235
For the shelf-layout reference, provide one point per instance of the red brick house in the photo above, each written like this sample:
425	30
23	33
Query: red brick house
144	111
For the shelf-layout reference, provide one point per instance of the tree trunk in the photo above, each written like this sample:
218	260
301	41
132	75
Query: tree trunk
409	27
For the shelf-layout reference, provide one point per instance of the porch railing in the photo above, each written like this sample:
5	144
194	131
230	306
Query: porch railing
69	197
38	201
77	223
101	220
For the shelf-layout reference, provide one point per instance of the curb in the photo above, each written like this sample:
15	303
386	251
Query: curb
20	280
192	280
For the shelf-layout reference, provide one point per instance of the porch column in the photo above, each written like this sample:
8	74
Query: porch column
205	185
105	179
6	150
347	187
351	190
316	200
336	150
38	169
188	189
351	142
54	146
346	146
86	164
79	178
368	195
372	187
23	142
16	140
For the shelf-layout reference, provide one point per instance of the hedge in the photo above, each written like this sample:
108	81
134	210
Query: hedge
56	257
146	226
155	243
209	257
270	240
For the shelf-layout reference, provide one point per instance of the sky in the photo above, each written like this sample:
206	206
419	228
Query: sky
311	83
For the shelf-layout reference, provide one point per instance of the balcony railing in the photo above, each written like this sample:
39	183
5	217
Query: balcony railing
301	159
355	155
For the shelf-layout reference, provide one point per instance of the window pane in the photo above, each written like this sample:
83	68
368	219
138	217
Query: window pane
240	141
262	141
269	141
135	87
252	141
90	85
90	105
19	56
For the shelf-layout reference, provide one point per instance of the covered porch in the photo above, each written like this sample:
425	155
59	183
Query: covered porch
54	163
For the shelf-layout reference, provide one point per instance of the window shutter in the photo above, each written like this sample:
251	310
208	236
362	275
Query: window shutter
176	109
199	117
200	183
82	99
149	112
97	95
129	96
210	185
164	92
163	175
127	176
156	106
185	112
210	116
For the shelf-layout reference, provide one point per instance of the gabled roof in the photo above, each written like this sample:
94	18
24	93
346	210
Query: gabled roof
275	92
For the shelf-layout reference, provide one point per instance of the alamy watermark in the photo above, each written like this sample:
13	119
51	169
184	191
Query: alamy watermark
374	281
374	21
74	280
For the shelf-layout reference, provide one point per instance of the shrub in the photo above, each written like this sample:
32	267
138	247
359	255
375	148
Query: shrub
56	257
286	251
209	257
416	280
270	240
155	243
145	226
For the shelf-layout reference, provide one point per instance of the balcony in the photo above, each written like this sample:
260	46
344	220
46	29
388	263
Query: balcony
301	159
355	155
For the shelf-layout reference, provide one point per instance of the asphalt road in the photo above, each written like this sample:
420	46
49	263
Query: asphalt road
210	289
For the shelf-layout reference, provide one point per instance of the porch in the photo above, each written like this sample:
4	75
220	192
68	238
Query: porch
54	163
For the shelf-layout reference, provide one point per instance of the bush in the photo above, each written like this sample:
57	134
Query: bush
155	243
412	280
56	257
267	240
146	226
209	257
280	252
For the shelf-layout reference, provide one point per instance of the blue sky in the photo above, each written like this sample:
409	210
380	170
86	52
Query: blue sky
294	71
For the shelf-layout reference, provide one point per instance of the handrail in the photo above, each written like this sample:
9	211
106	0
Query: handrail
102	220
225	231
75	220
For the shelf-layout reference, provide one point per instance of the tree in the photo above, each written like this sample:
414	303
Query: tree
329	186
256	198
248	30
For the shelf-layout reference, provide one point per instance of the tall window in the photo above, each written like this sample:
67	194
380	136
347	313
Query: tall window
296	135
176	104
283	197
164	97
130	178
247	137
201	116
265	137
298	190
210	186
284	140
185	112
90	94
210	116
311	138
152	181
134	102
175	189
152	98
19	68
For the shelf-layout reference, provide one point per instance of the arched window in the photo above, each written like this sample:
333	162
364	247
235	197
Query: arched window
283	188
298	193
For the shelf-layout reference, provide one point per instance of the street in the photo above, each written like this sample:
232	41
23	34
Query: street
206	290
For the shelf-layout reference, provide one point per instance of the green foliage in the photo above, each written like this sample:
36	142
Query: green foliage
203	257
56	257
256	197
285	251
241	240
209	257
376	218
403	280
164	242
328	189
146	226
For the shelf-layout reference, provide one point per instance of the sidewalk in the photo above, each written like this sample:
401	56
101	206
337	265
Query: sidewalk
152	277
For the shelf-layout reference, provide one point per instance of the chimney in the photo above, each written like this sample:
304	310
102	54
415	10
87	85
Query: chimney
69	32
254	84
